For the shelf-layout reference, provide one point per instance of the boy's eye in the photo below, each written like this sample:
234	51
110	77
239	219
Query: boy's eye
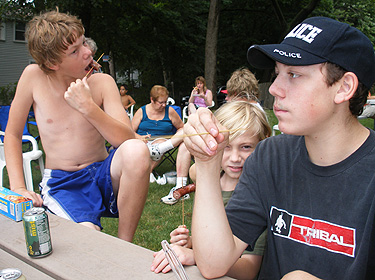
293	75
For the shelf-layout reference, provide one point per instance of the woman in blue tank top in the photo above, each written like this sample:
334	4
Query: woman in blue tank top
156	118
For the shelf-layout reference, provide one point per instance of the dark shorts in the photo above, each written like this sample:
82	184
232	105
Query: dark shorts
81	196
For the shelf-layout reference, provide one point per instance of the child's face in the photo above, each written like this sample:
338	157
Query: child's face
304	104
123	91
76	60
236	153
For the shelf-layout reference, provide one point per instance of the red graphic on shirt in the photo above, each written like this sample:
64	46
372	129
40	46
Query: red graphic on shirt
322	234
317	233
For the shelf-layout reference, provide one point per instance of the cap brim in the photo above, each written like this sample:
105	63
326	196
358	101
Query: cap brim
264	56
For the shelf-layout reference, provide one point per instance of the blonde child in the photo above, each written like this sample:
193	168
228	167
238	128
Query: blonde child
248	125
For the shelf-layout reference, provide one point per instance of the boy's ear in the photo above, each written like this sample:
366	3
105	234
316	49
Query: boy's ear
53	67
348	86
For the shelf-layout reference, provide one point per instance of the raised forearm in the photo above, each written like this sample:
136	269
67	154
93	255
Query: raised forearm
213	239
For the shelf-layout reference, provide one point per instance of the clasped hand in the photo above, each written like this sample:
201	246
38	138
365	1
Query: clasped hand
78	95
205	138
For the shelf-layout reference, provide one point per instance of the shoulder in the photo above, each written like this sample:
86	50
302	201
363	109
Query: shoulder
100	79
34	71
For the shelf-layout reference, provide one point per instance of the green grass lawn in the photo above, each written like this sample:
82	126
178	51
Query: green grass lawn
158	219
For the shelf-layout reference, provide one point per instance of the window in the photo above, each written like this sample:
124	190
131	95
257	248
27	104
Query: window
19	31
2	31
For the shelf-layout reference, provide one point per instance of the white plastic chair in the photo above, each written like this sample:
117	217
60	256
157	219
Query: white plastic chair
34	154
170	101
131	112
185	111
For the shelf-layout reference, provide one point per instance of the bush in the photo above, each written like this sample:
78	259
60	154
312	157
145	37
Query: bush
7	93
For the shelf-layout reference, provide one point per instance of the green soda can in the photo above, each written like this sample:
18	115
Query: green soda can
37	234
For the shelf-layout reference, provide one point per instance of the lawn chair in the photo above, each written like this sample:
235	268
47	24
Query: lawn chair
185	111
30	152
131	112
34	154
4	116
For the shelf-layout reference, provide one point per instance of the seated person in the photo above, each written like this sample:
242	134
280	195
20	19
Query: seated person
368	109
200	96
157	119
126	100
75	116
242	85
250	127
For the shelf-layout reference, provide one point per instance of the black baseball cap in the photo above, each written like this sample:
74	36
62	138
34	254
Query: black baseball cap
317	40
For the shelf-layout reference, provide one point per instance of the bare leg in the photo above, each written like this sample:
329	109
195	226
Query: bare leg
183	161
130	170
90	225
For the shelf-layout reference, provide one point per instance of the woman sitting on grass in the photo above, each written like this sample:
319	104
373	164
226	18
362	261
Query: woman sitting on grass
248	125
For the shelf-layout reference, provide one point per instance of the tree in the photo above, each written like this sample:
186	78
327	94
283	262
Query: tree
15	10
211	45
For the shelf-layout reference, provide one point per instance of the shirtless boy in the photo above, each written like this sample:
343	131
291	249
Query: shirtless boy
127	100
75	115
313	187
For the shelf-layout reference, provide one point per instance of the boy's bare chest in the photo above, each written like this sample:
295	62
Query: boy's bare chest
53	113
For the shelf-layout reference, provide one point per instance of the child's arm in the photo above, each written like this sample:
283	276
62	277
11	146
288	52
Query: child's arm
215	247
112	121
131	102
160	263
13	135
247	267
180	236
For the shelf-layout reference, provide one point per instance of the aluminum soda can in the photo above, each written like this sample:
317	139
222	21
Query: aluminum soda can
11	274
37	234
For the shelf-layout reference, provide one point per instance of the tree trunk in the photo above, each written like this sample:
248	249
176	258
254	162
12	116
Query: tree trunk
111	63
211	46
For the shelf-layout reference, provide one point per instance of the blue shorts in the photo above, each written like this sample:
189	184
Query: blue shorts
81	196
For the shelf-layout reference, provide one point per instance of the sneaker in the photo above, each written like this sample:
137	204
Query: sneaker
155	153
152	178
169	199
161	180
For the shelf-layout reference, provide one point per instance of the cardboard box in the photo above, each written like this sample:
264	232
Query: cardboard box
13	205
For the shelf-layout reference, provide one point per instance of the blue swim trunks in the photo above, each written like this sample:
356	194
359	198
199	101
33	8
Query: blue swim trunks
81	196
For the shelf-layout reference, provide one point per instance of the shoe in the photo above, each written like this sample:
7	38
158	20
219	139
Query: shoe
169	199
161	180
152	178
155	153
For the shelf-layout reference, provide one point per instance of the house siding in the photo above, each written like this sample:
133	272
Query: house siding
14	57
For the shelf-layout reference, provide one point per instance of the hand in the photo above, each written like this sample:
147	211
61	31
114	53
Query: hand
35	197
143	137
160	262
78	96
180	236
209	141
96	65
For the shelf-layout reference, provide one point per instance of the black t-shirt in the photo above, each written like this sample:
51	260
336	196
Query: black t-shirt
318	219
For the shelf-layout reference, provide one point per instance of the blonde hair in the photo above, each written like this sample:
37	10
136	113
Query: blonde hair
243	82
157	91
241	116
49	35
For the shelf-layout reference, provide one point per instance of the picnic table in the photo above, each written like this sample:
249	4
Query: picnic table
79	253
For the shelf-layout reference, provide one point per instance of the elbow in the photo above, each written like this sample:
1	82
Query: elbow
210	272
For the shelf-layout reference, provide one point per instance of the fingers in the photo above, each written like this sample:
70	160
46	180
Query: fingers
180	236
204	130
160	263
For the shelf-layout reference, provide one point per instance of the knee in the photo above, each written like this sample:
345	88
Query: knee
135	153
